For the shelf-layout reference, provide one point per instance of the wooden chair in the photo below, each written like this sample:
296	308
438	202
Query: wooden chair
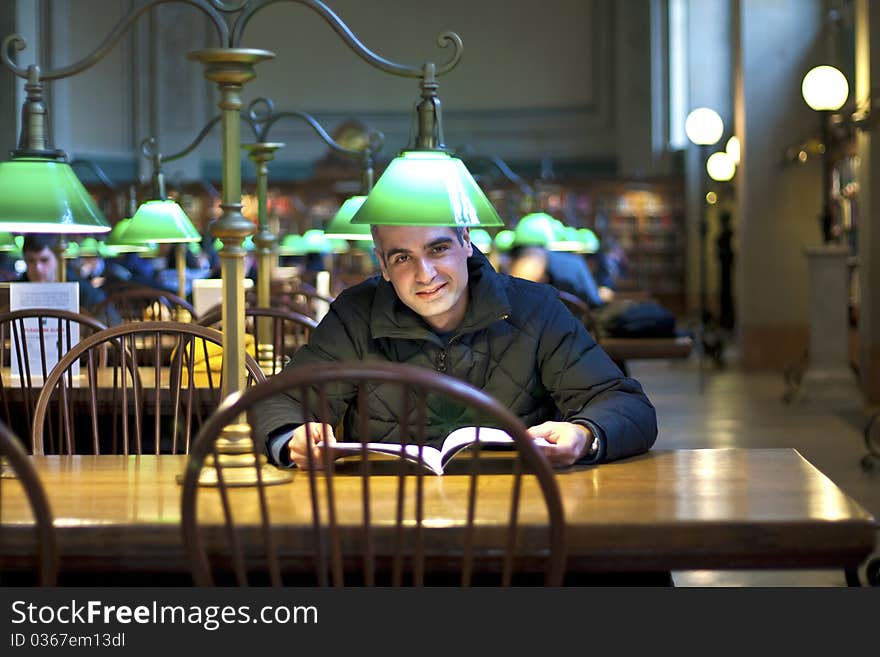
139	303
299	298
56	331
379	522
284	330
115	408
42	551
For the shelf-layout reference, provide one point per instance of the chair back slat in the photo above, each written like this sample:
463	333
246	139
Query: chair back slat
402	531
133	382
138	303
52	336
283	330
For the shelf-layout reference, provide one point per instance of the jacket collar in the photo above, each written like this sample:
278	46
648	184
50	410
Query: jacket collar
391	318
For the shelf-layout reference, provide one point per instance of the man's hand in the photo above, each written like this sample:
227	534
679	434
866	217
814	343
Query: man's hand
569	442
320	435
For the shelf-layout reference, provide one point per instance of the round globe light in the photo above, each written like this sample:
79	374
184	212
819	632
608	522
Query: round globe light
825	88
703	126
720	166
734	149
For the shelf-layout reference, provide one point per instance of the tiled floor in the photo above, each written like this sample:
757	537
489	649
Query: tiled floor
747	410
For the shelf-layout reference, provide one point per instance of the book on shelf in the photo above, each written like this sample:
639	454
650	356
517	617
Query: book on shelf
432	458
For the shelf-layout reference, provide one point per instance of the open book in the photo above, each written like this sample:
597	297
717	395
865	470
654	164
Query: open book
432	458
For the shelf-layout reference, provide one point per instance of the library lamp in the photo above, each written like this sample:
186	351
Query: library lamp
39	192
481	238
535	229
341	226
161	220
704	128
504	240
116	242
825	90
720	166
734	149
8	244
291	244
426	185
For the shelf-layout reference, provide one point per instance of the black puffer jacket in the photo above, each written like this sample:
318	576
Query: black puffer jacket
517	342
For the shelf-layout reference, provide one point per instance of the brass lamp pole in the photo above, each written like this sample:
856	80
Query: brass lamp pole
149	150
262	116
261	153
230	67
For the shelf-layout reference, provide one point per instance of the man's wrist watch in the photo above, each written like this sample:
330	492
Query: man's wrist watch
593	449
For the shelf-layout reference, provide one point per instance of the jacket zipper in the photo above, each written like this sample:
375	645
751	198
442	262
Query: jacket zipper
441	365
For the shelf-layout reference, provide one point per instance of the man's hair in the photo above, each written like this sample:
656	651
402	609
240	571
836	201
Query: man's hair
459	235
36	243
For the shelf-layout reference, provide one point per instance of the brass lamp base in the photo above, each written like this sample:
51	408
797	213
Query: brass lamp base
5	471
268	361
238	463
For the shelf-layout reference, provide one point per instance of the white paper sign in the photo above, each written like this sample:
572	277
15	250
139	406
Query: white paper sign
58	296
208	292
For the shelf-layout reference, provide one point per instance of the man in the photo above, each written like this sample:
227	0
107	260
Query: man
439	304
568	272
42	267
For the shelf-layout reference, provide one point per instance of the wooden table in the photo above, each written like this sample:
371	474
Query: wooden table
105	379
647	348
666	510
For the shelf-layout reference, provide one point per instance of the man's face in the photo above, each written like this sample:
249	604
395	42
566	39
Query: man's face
427	266
41	265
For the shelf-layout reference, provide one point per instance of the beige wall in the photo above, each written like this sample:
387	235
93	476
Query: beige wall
550	80
778	205
868	79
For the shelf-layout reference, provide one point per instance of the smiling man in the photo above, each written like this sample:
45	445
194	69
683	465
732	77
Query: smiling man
439	304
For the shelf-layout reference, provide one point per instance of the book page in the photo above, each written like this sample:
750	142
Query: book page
461	438
432	458
430	455
60	296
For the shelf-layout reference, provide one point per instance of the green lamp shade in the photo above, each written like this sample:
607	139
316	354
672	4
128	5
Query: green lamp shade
589	240
151	252
72	251
340	226
482	239
89	247
118	245
40	195
567	239
160	221
504	240
535	229
7	243
315	242
292	244
427	188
